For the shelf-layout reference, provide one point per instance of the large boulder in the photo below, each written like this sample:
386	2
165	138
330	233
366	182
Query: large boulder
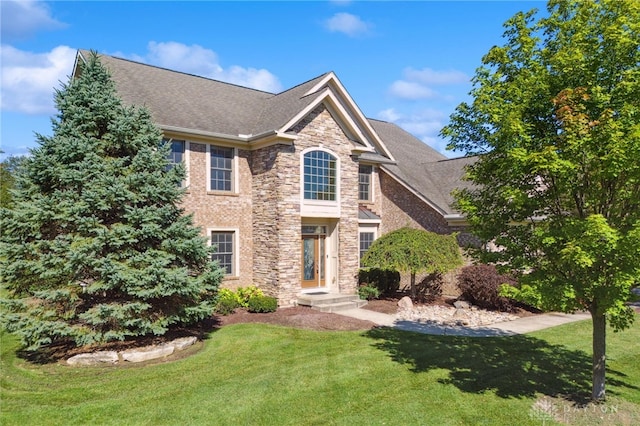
94	358
405	303
147	353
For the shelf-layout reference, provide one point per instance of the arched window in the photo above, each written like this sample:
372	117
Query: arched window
320	176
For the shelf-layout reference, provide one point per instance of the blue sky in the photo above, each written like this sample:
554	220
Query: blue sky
406	62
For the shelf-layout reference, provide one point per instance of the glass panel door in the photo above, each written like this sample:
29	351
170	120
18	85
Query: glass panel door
313	262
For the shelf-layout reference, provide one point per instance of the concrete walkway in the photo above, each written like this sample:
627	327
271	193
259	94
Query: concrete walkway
507	328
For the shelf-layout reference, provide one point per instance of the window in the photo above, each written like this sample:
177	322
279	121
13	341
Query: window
364	183
224	254
221	168
366	239
320	176
176	156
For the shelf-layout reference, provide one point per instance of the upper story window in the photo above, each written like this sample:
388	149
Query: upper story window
221	168
364	182
320	176
176	156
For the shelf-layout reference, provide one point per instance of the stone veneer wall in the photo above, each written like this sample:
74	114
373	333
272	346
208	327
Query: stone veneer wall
223	210
277	220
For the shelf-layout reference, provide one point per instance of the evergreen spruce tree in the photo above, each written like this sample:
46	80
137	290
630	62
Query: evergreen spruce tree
96	247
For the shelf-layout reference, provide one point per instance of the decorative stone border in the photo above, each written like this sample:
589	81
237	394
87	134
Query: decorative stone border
145	353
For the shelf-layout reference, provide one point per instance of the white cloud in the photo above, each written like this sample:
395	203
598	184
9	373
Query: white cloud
411	90
348	24
434	77
424	124
24	18
29	79
195	59
389	114
418	84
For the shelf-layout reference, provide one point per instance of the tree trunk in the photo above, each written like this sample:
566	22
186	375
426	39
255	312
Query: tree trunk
599	357
413	286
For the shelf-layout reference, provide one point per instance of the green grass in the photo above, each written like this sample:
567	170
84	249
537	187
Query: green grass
260	374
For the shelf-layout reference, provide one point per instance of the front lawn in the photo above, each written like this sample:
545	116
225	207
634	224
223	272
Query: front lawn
263	374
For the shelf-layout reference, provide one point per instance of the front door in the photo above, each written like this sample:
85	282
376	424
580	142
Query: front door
313	261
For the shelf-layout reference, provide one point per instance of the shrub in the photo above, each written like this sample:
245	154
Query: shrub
429	288
228	302
387	281
246	293
260	303
368	292
480	285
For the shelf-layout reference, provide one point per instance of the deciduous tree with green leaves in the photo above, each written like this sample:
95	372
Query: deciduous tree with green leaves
414	251
9	168
96	247
555	118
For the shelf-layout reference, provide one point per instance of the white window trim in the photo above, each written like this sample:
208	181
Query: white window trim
364	228
187	162
234	172
236	247
320	208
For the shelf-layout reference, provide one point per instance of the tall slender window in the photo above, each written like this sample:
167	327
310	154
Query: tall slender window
176	153
364	183
224	253
221	168
320	176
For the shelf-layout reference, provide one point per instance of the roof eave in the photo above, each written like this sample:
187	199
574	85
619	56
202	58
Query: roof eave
249	142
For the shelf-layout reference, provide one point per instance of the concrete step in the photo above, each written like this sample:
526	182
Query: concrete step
331	302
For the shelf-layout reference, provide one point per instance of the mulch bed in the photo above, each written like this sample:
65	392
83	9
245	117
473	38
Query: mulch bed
297	317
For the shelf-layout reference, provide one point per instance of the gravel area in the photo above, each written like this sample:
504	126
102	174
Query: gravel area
445	315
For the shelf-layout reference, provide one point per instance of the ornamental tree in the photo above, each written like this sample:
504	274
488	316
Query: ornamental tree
414	251
555	118
96	247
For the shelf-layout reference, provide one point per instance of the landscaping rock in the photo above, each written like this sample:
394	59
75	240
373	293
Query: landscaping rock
184	342
94	358
462	304
405	303
133	355
450	316
150	352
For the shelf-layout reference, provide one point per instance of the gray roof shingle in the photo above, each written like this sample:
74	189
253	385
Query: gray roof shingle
191	102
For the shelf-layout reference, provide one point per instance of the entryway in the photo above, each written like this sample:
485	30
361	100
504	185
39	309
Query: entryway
314	254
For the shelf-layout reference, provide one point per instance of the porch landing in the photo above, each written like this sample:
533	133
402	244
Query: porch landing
326	302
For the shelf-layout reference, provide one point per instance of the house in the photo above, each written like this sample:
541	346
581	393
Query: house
291	187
